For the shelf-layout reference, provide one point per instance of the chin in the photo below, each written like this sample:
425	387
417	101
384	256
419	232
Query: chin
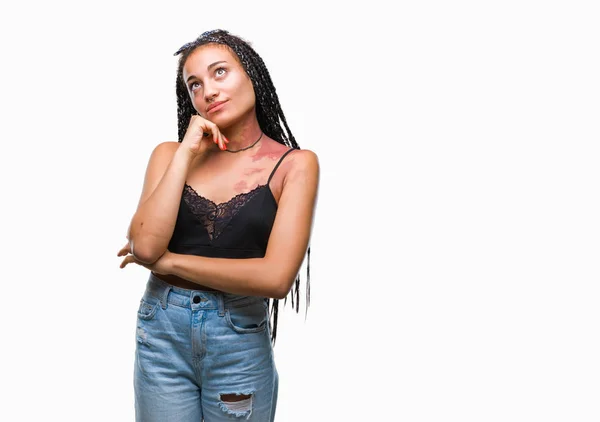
222	122
226	118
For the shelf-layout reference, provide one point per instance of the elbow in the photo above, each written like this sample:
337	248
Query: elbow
282	287
146	246
281	277
279	294
146	252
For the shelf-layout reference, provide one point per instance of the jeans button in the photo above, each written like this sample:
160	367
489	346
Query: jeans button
196	299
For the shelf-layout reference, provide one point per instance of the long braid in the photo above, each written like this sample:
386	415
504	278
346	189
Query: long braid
268	113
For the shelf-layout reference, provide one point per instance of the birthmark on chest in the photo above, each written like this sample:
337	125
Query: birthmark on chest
267	151
241	186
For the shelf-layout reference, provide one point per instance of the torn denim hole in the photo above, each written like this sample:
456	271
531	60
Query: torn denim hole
238	404
141	335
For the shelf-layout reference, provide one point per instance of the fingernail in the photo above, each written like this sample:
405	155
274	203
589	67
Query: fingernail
226	140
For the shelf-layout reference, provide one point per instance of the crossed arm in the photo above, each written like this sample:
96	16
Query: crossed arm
272	275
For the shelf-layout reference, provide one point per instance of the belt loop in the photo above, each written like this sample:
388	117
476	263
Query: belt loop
221	304
165	295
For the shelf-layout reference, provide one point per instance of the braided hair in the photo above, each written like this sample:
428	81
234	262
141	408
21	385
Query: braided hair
268	113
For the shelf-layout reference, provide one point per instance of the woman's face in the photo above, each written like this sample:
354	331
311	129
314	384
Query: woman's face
220	89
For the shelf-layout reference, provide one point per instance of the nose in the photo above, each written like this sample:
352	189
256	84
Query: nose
210	93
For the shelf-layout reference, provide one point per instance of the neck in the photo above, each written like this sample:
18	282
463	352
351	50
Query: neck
242	135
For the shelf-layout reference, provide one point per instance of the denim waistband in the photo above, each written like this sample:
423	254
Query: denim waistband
166	293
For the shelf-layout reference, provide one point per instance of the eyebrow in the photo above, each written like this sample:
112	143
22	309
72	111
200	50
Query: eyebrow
210	66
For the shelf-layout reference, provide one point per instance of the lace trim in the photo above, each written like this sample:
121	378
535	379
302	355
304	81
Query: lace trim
215	217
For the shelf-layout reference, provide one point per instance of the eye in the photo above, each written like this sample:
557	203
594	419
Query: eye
220	71
194	85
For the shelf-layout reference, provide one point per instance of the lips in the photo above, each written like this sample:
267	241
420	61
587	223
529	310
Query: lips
214	105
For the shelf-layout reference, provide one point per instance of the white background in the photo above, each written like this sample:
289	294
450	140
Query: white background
455	247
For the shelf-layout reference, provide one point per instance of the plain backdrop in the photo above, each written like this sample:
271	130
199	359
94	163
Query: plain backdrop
454	271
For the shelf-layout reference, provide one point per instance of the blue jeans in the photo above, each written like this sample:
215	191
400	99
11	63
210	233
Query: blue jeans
203	355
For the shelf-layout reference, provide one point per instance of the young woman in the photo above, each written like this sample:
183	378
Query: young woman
223	223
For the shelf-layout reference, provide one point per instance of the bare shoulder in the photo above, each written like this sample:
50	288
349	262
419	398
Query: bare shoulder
301	180
304	160
302	169
161	156
166	148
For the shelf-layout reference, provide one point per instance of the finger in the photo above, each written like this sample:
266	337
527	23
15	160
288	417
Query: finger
128	260
217	140
222	142
124	250
207	126
215	133
209	132
225	141
202	125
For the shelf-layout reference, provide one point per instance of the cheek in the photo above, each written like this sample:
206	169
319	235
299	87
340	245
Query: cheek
242	85
249	98
248	94
198	98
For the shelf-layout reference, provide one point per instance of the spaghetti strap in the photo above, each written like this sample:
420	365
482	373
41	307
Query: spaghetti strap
279	162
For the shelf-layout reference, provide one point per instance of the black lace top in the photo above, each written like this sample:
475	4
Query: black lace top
238	228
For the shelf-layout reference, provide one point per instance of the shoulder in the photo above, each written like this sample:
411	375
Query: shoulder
163	152
168	147
161	156
304	160
303	165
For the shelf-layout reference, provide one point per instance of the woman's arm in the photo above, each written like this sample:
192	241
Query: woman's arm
273	275
153	223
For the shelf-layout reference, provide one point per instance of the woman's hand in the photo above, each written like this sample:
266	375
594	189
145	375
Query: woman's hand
161	266
196	138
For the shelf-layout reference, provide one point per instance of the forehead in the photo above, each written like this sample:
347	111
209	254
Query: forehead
198	61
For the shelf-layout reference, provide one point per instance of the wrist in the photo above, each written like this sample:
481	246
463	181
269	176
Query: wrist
170	261
184	154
